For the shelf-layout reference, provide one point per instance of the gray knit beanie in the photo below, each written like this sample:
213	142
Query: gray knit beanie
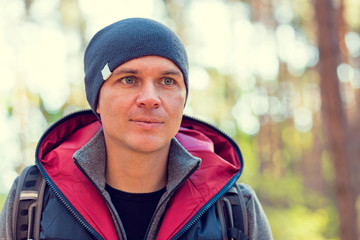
123	41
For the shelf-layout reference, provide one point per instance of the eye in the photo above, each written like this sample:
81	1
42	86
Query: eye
168	81
128	80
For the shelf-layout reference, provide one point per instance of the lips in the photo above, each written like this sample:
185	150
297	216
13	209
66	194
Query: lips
147	120
147	123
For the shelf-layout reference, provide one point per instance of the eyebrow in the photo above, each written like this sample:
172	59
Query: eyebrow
134	71
125	70
172	72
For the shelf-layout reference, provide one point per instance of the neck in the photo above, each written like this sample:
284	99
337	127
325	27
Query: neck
136	172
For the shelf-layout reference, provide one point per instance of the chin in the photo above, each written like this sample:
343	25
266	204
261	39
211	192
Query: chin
150	145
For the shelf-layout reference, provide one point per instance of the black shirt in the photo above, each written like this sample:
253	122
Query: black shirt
135	210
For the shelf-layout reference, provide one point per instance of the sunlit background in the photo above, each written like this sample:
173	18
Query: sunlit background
253	74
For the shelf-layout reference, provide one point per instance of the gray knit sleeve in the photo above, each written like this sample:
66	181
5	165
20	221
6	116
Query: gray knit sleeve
258	224
6	220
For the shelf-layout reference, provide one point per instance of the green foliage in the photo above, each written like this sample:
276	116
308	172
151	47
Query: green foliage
294	212
298	223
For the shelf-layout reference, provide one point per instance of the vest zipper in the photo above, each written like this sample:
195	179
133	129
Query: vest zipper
206	207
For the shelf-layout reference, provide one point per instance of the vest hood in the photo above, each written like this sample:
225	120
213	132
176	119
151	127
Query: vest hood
195	135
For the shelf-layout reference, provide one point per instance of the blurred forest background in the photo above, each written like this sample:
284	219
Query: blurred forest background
282	77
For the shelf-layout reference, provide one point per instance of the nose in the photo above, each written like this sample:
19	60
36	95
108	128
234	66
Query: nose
148	97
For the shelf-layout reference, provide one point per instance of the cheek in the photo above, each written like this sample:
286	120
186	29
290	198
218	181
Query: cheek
175	106
106	106
175	101
176	97
108	99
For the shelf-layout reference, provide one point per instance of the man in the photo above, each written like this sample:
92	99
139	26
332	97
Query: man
134	167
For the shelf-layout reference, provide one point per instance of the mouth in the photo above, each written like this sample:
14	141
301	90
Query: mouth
147	123
144	120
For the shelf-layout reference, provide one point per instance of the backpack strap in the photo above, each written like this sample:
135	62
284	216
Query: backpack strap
231	209
28	204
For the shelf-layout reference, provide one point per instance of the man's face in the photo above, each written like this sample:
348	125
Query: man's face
141	104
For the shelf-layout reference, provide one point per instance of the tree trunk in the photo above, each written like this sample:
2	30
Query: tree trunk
334	116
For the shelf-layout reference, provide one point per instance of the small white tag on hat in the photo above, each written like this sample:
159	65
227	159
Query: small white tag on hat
106	72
